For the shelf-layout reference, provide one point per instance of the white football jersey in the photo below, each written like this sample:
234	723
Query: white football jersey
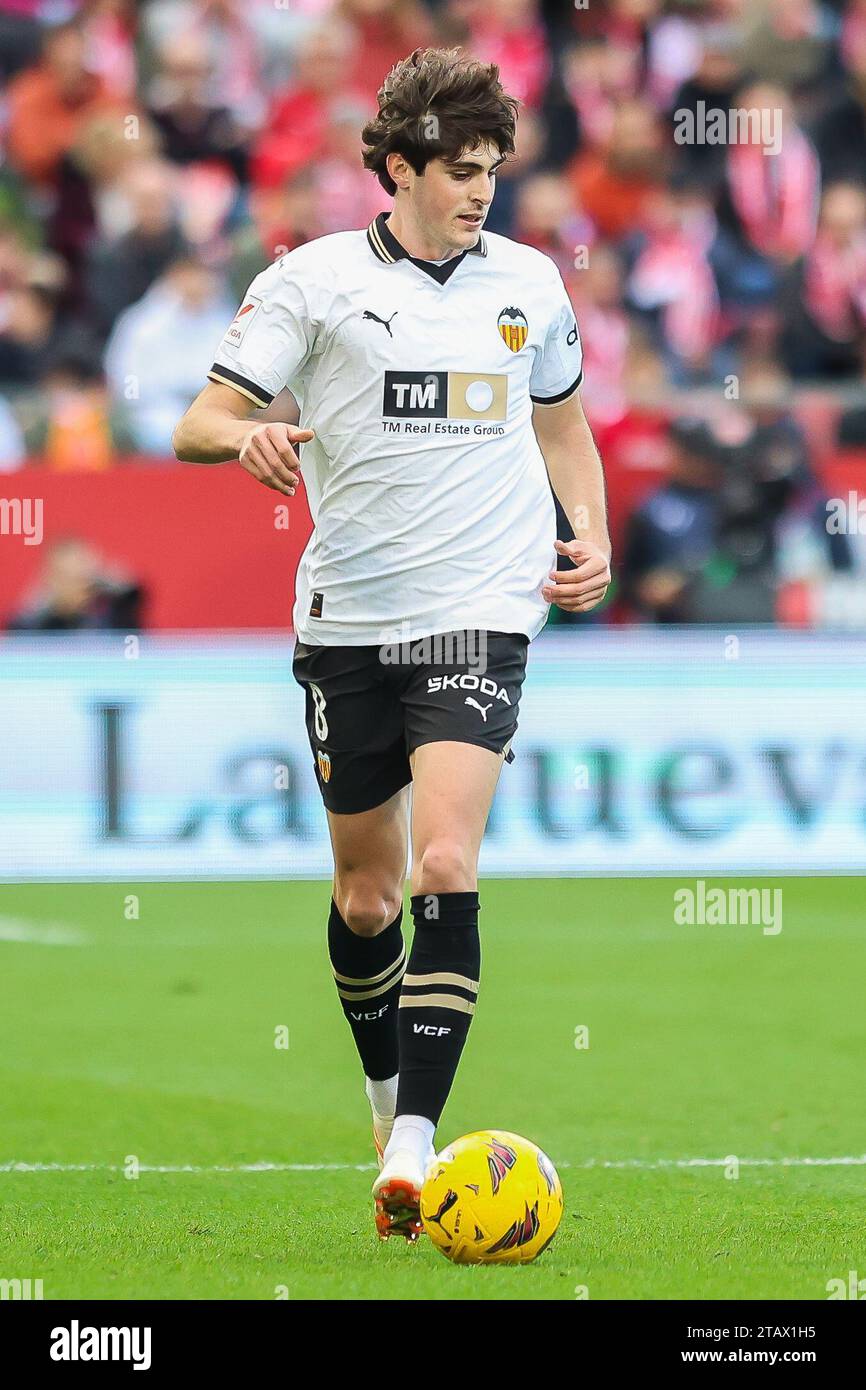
428	490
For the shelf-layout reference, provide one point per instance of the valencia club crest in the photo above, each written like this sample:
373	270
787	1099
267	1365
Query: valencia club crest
513	328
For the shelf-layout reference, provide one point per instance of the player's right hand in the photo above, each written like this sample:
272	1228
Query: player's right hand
268	456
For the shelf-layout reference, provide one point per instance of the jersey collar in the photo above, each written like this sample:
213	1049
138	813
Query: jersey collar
387	248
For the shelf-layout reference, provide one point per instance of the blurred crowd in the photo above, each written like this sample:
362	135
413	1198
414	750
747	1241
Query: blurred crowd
155	156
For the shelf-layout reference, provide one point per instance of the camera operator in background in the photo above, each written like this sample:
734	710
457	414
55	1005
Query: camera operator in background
707	546
76	592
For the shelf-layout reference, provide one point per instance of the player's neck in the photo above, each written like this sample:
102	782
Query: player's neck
414	241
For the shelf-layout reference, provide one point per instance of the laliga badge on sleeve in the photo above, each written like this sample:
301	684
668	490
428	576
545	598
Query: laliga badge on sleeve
240	323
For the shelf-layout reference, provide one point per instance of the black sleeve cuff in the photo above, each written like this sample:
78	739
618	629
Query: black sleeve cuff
226	376
562	396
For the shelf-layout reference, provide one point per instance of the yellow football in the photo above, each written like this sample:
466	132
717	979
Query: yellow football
491	1198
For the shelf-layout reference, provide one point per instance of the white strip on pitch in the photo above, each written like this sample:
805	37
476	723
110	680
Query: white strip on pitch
40	933
647	1164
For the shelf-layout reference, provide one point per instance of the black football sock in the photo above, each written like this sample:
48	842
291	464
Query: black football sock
368	971
437	1000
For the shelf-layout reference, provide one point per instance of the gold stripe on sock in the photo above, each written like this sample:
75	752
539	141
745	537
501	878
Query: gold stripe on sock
437	1001
369	993
442	977
370	979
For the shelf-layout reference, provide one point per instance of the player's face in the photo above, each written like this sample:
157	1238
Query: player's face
451	198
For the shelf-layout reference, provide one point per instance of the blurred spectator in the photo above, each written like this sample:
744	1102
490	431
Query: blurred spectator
679	48
806	549
294	132
161	349
121	268
503	213
826	295
184	107
632	439
110	29
233	32
280	219
77	591
772	190
624	64
47	103
87	197
613	186
671	284
20	36
672	534
840	131
597	291
510	34
344	189
546	217
598	75
384	31
711	87
790	42
28	335
77	428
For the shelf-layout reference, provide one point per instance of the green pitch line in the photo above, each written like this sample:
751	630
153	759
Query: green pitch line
150	1041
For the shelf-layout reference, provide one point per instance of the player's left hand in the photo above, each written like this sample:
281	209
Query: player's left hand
580	589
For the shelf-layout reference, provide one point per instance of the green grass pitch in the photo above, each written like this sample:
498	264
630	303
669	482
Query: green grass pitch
155	1038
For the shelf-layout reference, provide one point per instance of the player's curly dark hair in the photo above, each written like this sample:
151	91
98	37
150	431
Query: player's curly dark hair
434	105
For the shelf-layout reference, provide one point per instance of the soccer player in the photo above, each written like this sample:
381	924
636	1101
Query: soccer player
436	368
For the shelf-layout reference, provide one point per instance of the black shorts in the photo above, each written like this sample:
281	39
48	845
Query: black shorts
368	708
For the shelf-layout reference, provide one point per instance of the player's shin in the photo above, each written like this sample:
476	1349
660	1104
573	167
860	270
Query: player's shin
437	1002
368	971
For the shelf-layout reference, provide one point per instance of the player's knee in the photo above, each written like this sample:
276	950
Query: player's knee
368	911
446	867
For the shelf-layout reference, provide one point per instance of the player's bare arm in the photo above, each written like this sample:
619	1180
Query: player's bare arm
576	476
216	429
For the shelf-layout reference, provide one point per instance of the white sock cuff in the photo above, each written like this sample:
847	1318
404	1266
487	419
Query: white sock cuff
382	1095
412	1132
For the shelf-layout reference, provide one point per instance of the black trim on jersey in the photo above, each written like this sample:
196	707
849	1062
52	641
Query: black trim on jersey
562	396
387	248
251	388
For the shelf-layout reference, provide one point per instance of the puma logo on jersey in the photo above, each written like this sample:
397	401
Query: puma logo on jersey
483	684
481	708
386	323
